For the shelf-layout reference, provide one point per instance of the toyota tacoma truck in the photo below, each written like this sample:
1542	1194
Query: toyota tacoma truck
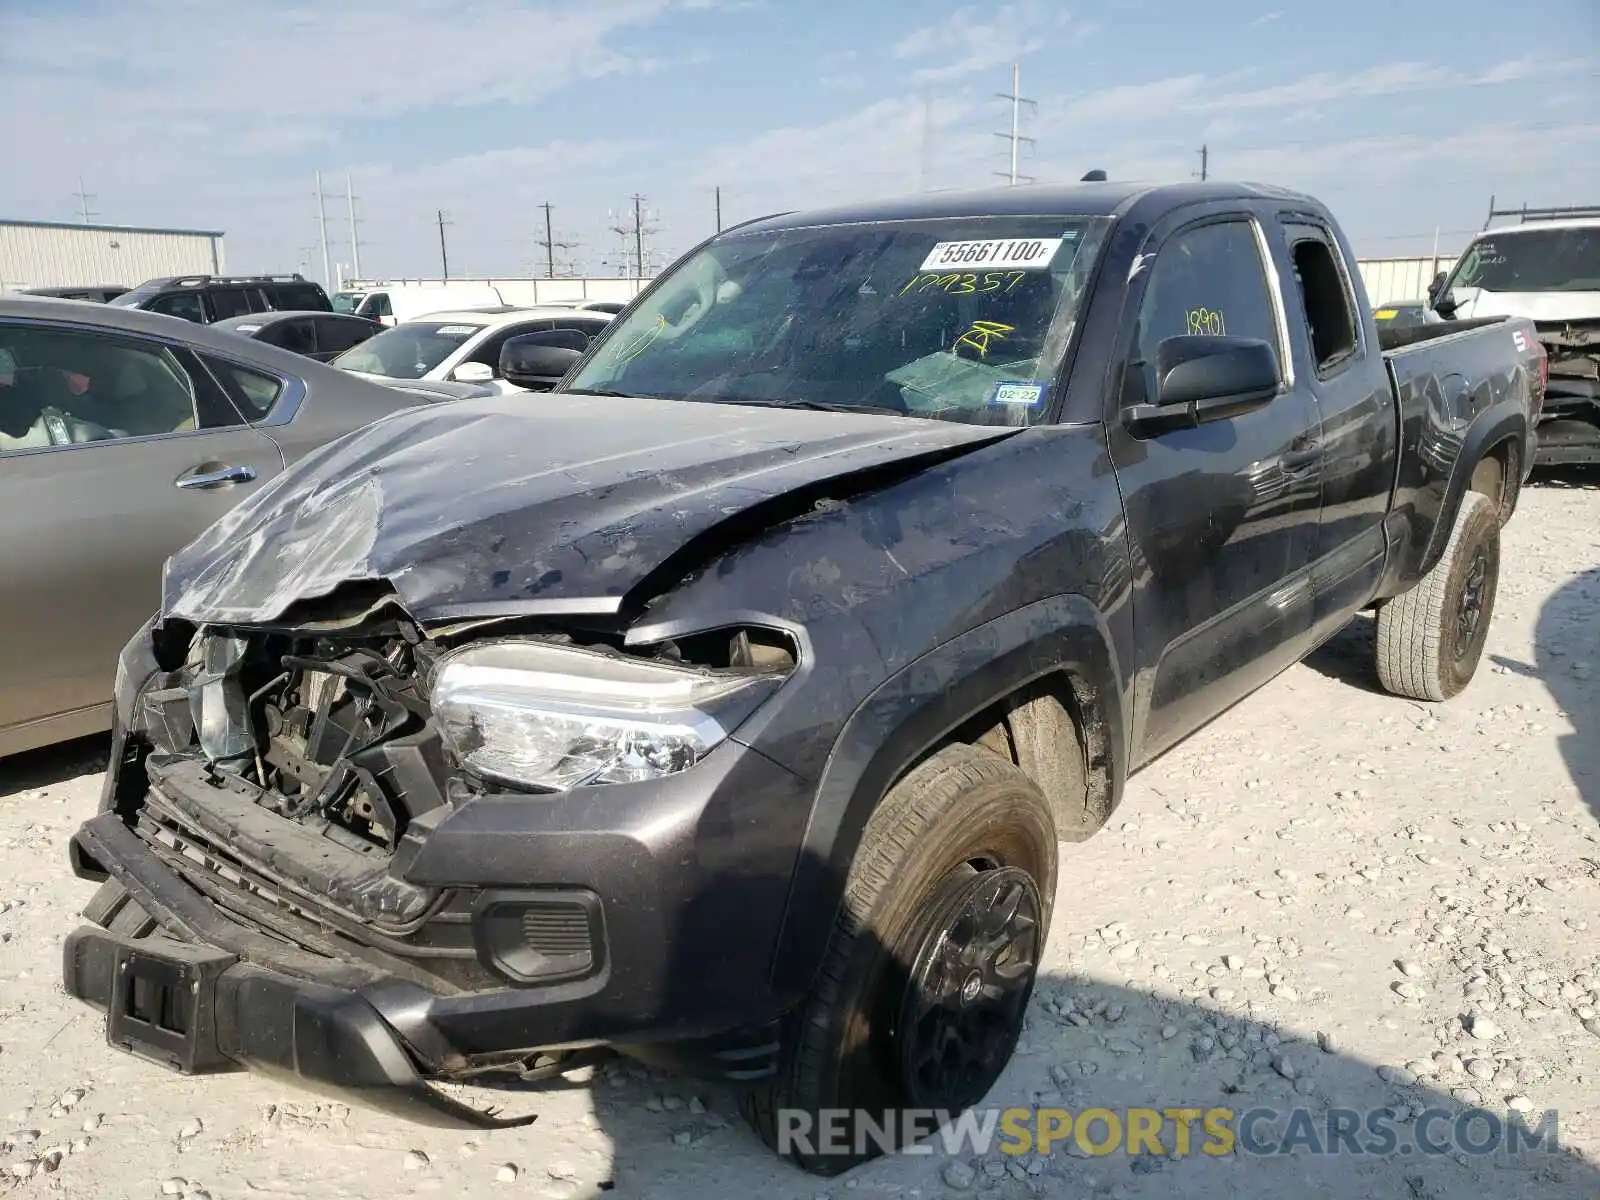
730	705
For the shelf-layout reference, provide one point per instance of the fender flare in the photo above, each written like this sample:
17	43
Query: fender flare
1488	430
904	717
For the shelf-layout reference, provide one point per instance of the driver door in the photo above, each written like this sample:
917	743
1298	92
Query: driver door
86	525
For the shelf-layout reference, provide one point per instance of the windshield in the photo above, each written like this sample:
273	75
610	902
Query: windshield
955	319
409	350
346	302
130	299
1542	260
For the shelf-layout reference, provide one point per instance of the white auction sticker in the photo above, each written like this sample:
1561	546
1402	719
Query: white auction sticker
1016	254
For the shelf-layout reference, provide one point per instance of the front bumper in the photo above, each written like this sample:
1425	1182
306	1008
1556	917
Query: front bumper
690	874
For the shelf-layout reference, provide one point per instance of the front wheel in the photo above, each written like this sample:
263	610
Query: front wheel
921	996
1431	639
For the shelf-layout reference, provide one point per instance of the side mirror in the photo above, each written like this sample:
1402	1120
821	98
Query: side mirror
473	372
537	361
1202	379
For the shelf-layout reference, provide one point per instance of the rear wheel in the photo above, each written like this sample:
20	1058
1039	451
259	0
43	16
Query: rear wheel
1431	639
930	967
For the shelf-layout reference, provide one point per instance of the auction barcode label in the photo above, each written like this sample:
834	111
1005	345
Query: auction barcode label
1018	254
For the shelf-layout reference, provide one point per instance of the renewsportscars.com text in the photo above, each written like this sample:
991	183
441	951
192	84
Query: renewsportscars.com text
1166	1132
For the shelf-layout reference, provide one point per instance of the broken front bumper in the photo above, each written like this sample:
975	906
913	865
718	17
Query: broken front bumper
688	905
199	1008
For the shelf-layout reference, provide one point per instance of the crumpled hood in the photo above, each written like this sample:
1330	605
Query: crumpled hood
1536	306
522	504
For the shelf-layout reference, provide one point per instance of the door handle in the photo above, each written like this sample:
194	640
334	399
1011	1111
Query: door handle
217	478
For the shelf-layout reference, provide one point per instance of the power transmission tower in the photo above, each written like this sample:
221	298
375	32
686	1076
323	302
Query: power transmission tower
1015	136
322	229
444	253
635	232
550	244
355	241
1205	159
83	200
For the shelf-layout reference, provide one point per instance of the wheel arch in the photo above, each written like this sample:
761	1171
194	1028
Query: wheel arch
1504	439
1057	652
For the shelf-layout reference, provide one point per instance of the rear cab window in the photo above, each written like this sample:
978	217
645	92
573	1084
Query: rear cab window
1325	300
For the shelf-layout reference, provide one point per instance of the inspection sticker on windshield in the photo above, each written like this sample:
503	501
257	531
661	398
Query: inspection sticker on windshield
457	330
1030	394
1019	254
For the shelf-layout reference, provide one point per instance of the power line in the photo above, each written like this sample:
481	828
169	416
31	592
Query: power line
550	244
1015	136
83	200
444	253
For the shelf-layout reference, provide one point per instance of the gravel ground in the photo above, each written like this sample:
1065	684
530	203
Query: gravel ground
1331	898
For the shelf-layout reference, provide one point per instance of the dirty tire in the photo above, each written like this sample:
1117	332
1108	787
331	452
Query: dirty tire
963	822
1431	639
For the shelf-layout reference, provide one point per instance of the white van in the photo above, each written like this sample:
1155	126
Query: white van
390	306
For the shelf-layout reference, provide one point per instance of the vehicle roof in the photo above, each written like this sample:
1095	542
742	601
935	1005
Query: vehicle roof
277	315
124	320
1102	199
493	318
1536	226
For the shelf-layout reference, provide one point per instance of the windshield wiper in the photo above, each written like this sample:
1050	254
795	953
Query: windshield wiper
603	392
818	406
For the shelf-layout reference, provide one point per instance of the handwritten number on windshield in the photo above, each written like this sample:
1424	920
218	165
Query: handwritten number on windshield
964	284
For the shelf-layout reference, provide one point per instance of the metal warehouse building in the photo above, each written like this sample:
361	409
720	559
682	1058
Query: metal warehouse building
58	254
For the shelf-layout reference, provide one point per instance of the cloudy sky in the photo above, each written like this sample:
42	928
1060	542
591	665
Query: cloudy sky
1405	117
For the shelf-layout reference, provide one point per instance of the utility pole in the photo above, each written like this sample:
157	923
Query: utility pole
444	254
719	208
1205	160
355	242
550	244
83	200
322	226
1015	136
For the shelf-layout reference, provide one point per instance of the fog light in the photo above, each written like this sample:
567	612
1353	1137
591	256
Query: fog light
541	937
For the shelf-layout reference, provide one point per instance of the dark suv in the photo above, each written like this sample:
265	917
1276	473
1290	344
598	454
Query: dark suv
207	298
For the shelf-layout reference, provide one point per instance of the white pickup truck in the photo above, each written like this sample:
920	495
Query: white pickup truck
1545	268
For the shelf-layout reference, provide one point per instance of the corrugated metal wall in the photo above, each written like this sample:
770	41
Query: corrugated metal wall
43	254
1389	280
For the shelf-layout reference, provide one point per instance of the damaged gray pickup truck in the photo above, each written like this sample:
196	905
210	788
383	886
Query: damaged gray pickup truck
728	705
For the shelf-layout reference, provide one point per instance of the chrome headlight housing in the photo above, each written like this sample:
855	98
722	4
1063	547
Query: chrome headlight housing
553	717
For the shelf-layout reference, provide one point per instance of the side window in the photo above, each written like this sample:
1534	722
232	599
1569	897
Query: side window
228	302
335	336
377	305
1324	298
66	387
297	335
288	297
488	352
180	304
253	392
587	326
1208	280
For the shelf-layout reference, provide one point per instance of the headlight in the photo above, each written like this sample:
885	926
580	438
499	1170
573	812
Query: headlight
555	717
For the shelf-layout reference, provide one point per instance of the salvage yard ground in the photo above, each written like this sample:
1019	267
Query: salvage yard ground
1331	899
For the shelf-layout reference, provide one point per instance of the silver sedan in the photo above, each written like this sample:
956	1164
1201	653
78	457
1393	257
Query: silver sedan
124	434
